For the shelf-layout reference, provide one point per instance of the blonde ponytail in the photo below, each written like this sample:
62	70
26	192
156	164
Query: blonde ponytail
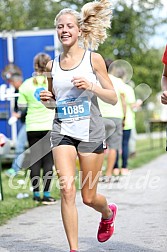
96	18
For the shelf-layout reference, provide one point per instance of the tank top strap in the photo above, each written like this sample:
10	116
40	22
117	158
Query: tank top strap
87	57
55	65
86	62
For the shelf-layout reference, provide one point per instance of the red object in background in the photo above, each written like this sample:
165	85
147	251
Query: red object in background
164	57
2	140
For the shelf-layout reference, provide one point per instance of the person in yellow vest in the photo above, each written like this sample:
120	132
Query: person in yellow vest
129	124
38	125
114	118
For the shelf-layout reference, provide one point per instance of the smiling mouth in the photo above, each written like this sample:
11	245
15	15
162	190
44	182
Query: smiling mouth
65	37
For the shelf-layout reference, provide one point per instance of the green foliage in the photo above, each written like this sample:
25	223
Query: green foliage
42	13
21	14
148	68
141	120
145	152
133	24
12	14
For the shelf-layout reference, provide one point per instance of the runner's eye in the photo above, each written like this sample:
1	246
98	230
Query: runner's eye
59	27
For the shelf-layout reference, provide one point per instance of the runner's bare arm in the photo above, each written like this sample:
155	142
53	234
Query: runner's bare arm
106	92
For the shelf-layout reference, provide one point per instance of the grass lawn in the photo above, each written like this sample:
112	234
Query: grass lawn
145	152
11	206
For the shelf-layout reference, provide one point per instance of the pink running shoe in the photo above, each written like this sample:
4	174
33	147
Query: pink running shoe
106	227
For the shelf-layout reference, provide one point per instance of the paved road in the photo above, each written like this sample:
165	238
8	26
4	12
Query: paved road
141	224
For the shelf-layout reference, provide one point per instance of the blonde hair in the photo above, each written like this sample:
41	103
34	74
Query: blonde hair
40	61
94	19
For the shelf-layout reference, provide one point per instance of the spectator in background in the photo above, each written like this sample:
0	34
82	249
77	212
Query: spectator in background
38	126
129	124
114	117
22	134
164	78
13	75
133	134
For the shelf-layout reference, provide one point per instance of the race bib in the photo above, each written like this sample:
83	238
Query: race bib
73	109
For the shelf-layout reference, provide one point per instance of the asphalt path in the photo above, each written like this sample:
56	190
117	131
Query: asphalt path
141	223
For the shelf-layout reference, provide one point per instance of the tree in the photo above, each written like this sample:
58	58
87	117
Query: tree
12	14
26	14
41	13
132	26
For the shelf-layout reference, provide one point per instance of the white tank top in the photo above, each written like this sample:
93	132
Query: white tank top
77	110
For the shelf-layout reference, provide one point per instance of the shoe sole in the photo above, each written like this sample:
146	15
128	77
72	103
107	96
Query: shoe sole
48	203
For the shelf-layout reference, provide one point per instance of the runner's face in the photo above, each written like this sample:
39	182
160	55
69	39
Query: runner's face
67	29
